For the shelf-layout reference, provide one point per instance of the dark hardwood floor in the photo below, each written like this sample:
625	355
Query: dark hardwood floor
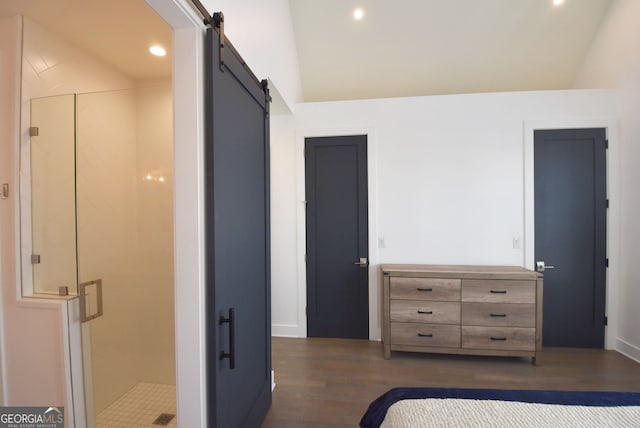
330	382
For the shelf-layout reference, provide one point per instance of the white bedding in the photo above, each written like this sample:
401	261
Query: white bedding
454	412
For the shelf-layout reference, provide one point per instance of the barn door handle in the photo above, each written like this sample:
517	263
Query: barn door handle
231	355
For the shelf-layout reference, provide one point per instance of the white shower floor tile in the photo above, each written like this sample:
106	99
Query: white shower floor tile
140	407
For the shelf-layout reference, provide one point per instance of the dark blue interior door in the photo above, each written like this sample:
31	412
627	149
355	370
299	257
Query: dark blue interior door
237	240
570	234
337	237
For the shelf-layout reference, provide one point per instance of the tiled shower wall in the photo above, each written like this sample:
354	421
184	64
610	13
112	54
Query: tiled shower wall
155	231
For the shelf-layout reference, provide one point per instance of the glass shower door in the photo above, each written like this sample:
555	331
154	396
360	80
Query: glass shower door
52	255
98	222
106	222
125	248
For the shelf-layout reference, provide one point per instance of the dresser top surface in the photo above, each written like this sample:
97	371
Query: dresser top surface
460	271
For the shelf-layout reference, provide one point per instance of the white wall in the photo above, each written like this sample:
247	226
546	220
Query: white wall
614	51
9	72
262	32
629	338
34	359
284	317
448	172
614	60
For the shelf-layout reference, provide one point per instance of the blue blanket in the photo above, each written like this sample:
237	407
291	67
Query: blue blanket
377	410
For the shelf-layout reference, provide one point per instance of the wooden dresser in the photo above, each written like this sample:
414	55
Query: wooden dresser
481	310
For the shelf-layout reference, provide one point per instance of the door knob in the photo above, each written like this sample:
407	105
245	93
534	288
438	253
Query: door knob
541	267
362	262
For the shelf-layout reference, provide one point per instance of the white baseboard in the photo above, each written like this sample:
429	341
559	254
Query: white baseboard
628	349
285	330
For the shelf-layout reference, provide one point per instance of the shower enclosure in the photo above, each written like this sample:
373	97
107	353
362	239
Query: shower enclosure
97	212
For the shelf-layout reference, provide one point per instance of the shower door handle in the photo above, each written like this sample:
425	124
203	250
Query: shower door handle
84	315
231	355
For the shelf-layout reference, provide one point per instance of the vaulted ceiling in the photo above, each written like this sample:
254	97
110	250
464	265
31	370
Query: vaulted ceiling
399	48
430	47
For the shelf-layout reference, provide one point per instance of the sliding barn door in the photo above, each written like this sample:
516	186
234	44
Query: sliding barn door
237	239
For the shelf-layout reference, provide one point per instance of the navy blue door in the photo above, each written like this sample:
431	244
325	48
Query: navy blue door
237	240
570	234
337	237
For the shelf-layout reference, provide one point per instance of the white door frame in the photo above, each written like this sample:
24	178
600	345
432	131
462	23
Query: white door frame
189	262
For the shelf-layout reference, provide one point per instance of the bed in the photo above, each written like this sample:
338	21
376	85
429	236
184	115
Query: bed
451	407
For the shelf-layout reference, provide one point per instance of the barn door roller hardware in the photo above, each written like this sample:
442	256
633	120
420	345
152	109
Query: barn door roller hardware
218	23
226	50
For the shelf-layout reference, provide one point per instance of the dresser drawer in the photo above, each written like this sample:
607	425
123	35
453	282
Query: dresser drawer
499	338
499	314
498	291
425	334
425	311
425	288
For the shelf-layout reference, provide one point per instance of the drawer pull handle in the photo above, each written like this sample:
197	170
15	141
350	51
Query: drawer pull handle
498	338
424	289
499	315
499	291
425	335
425	312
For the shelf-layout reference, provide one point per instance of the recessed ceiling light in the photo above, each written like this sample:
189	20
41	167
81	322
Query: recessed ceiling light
557	2
358	14
157	50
